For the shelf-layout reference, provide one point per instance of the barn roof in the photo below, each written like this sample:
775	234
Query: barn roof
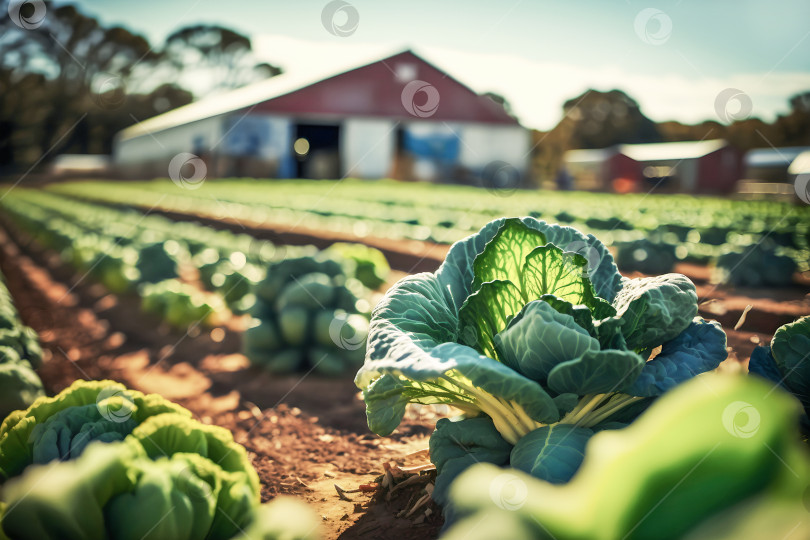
671	150
374	89
773	157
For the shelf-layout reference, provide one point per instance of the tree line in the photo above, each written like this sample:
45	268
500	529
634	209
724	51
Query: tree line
68	83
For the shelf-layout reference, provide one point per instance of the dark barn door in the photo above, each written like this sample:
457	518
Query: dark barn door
316	148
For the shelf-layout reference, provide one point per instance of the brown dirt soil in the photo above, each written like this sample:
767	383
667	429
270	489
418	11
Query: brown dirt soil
304	434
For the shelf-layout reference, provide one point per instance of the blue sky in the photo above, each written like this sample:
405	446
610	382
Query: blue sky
536	53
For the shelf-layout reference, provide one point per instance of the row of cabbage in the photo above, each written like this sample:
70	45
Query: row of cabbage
20	356
683	228
309	308
101	461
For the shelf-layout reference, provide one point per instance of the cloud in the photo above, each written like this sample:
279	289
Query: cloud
537	90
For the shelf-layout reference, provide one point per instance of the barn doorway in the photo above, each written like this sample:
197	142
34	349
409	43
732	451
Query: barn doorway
317	151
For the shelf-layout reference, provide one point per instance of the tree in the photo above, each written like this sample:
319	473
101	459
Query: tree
593	119
500	100
50	75
220	56
601	119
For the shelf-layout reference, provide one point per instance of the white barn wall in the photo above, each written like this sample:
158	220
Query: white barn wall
274	134
163	145
367	147
484	143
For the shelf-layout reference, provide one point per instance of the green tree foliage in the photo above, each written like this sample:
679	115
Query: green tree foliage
71	83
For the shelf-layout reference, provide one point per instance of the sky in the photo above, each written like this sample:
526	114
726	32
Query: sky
674	57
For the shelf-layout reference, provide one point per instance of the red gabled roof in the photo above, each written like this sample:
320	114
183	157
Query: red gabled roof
376	89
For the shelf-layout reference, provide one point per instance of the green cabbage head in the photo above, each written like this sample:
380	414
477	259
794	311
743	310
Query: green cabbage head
530	330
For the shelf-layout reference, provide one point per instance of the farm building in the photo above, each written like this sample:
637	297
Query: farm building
599	170
771	164
771	172
686	167
398	117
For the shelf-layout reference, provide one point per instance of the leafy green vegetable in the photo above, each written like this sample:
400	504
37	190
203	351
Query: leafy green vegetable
61	427
684	466
455	445
758	266
308	315
553	453
540	338
20	355
371	267
515	329
102	461
787	361
646	256
19	387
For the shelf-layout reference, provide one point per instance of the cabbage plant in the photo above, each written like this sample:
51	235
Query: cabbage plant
101	461
787	362
716	459
529	329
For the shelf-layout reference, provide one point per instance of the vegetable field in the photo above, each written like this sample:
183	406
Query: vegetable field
311	359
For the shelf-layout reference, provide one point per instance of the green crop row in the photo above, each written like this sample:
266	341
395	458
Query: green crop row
699	230
20	355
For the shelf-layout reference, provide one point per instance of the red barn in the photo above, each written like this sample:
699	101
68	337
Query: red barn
399	116
711	166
